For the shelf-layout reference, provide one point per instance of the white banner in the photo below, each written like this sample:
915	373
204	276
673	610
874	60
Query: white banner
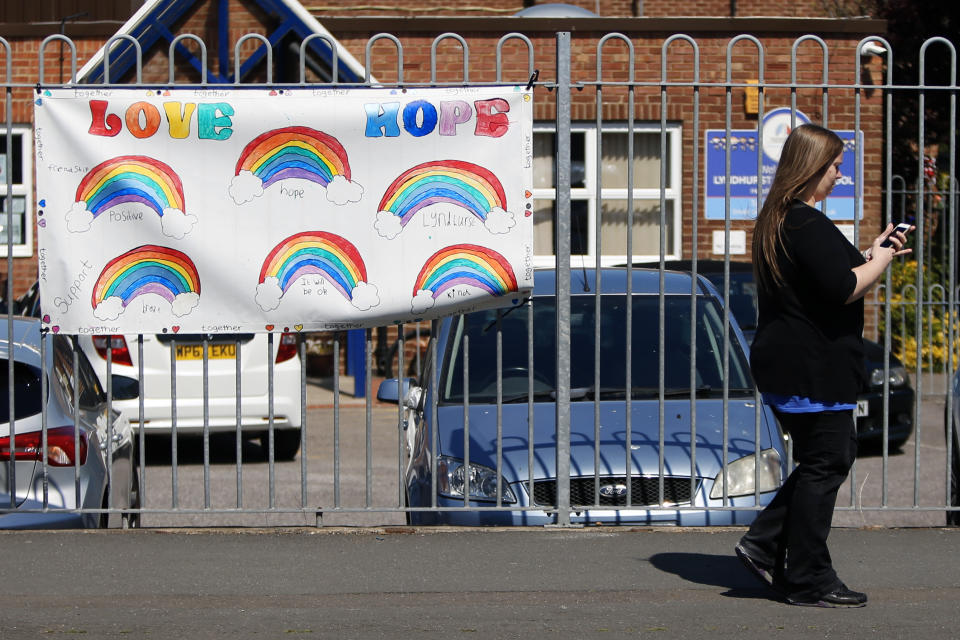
222	211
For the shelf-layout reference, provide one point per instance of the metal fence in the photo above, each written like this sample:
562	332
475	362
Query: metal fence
360	461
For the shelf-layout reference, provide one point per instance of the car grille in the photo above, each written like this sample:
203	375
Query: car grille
644	491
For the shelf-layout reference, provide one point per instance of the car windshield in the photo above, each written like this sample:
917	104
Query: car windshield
743	296
26	391
475	335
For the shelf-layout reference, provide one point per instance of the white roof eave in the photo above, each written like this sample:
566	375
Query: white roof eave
343	56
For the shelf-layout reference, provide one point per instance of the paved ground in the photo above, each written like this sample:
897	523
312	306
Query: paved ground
407	583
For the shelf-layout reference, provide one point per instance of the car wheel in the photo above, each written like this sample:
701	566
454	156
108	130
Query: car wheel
133	518
408	515
286	443
104	521
953	517
894	446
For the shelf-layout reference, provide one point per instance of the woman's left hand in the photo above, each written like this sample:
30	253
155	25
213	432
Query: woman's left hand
896	247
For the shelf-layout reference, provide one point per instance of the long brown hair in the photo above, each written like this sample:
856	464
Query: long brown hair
806	154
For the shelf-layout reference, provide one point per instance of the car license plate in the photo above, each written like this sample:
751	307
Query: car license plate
214	351
863	409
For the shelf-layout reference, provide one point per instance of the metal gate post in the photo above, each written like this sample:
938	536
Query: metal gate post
562	231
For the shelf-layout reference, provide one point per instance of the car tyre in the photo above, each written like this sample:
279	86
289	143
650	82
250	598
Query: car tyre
103	522
896	446
133	518
953	517
286	443
408	516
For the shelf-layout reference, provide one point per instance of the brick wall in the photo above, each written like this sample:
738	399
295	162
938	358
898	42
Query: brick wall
647	58
604	8
25	57
742	8
482	48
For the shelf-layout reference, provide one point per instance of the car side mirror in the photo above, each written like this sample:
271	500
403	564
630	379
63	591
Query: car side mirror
390	390
124	388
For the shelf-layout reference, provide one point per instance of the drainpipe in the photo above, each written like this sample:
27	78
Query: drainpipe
63	28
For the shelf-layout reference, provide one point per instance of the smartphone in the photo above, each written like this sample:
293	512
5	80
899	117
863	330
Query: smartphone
903	227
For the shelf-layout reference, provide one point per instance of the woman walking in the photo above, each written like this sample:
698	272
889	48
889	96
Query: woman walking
807	359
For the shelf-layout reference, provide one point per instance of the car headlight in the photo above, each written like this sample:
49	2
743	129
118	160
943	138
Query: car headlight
898	377
740	475
452	477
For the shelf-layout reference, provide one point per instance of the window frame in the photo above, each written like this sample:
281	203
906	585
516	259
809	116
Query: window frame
22	189
588	193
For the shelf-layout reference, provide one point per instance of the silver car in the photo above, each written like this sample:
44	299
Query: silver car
204	399
70	457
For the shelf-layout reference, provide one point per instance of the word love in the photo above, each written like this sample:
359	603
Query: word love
143	119
420	118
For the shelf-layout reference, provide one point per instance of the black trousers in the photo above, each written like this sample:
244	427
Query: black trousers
791	532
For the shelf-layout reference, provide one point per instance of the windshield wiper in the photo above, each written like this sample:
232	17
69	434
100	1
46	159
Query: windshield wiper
539	396
505	314
636	393
706	391
612	393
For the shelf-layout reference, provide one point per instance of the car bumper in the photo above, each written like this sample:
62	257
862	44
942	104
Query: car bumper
900	424
221	415
30	515
739	511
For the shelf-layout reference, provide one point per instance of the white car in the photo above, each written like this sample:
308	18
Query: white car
161	352
83	460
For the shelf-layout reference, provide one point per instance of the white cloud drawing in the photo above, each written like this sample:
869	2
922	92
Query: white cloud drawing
184	303
176	223
388	225
341	191
364	296
422	301
109	309
245	187
269	293
499	221
78	218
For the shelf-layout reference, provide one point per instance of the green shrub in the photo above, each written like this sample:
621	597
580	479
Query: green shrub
934	319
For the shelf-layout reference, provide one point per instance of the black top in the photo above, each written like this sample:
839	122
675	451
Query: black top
809	341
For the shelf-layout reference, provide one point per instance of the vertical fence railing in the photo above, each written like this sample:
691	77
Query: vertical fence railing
8	296
913	312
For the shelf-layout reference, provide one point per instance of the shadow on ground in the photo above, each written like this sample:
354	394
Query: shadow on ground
190	449
715	571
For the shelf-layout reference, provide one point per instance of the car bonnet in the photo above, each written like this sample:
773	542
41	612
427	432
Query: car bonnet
644	436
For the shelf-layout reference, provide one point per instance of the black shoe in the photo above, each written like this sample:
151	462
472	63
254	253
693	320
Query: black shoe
839	597
760	569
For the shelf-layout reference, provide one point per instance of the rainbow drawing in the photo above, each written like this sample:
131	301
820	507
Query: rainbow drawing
468	264
312	253
452	181
147	269
294	152
131	179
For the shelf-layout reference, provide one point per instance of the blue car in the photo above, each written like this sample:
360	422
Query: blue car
506	462
951	426
869	412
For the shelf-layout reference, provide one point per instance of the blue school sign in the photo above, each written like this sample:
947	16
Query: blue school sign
743	169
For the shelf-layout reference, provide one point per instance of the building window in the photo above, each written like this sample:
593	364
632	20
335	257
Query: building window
607	190
16	179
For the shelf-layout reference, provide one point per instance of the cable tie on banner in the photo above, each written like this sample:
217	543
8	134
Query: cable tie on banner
533	78
38	88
